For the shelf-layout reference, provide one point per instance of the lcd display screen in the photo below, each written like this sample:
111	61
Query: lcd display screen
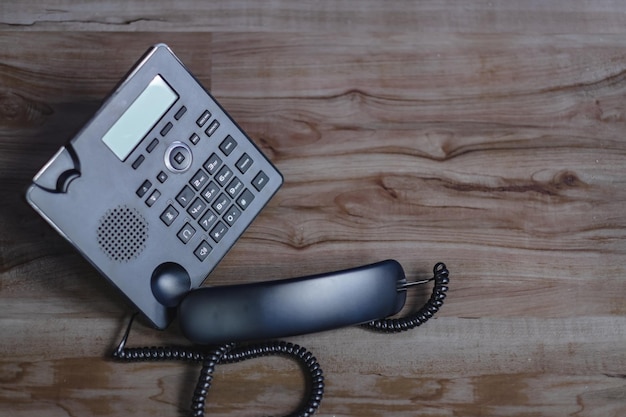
140	117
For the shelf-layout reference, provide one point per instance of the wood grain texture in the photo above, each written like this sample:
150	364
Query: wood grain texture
501	154
530	16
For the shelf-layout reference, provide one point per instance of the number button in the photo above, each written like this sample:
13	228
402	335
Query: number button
218	232
221	204
185	196
212	164
208	220
234	187
196	209
245	199
224	176
199	180
210	192
186	233
232	215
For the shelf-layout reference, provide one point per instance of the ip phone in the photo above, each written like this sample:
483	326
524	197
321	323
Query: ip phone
156	188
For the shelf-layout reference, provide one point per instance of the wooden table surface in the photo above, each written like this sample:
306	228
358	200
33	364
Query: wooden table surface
490	135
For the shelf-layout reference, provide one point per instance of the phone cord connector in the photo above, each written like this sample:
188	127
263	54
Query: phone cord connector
434	303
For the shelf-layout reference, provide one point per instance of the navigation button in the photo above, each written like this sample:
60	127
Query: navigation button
178	157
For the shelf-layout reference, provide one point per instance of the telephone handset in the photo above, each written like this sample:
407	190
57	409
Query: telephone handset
274	309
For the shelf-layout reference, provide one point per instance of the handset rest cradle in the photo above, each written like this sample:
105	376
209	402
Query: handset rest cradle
266	310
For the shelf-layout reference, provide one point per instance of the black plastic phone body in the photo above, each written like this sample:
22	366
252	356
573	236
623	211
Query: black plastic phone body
265	310
157	187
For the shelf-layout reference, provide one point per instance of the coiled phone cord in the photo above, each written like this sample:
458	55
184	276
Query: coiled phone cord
230	353
210	357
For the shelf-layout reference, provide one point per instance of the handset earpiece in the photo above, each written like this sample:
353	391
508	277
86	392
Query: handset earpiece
273	309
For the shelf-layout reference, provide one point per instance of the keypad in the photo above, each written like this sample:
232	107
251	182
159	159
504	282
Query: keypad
214	196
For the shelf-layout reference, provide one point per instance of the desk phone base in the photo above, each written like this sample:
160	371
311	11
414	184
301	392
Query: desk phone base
157	186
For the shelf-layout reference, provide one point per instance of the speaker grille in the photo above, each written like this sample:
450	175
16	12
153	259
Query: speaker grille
122	233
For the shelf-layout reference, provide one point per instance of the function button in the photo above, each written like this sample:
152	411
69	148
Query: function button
208	220
185	196
245	199
244	163
194	138
178	157
162	177
153	198
228	145
203	250
138	161
260	180
199	180
224	175
212	164
186	233
145	186
152	145
210	192
218	232
203	118
166	128
196	208
212	128
234	187
221	204
232	215
180	113
169	215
